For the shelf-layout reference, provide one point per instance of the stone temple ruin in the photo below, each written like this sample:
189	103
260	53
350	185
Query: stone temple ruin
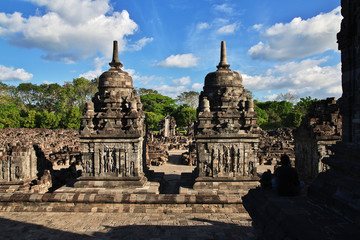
330	208
226	132
319	130
112	132
41	173
35	160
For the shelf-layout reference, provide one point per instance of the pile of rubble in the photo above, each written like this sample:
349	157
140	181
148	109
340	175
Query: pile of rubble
158	145
29	156
274	143
156	153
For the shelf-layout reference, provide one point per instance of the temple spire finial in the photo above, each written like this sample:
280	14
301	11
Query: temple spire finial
223	62
115	63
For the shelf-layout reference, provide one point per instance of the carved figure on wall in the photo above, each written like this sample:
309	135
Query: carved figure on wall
110	162
101	154
17	172
132	168
88	167
251	169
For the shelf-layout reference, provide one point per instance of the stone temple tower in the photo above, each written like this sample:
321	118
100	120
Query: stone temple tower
112	132
226	132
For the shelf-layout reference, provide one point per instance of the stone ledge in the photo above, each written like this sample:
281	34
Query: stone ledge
114	196
121	208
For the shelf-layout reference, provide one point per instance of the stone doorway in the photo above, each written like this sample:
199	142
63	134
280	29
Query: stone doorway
176	174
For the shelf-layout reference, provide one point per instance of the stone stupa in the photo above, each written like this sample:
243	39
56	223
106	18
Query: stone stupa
112	132
226	132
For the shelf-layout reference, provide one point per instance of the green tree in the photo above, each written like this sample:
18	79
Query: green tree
10	116
152	120
190	98
30	120
304	104
27	93
292	120
48	120
185	115
159	104
73	118
145	91
263	117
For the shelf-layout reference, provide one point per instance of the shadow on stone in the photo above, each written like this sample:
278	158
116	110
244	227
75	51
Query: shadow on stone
213	230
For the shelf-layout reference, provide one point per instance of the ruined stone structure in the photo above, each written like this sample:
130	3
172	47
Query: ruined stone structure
30	159
167	126
319	129
339	186
274	143
112	132
331	208
226	132
156	152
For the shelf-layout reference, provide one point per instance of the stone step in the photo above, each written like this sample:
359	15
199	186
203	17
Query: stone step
122	208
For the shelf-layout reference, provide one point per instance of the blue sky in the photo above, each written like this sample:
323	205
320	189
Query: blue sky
278	46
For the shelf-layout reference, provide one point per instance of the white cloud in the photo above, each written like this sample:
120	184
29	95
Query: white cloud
180	61
197	86
48	82
141	43
182	81
171	91
228	29
67	32
11	74
98	64
203	25
224	8
271	97
257	26
299	38
305	78
146	80
75	11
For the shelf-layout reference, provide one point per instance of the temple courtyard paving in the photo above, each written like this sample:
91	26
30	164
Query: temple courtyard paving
61	225
90	225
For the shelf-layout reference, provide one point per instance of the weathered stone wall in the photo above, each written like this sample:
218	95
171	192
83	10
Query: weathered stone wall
319	129
28	156
274	143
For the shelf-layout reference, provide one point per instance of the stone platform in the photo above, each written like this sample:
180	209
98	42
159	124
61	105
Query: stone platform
68	199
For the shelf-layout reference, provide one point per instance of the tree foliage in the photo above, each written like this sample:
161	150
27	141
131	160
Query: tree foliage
190	98
46	105
159	104
184	115
275	114
60	106
145	91
152	120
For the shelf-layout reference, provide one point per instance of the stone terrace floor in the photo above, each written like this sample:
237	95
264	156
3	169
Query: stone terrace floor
61	225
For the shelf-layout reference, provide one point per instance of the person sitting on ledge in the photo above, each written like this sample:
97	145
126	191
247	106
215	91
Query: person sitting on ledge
266	180
286	178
